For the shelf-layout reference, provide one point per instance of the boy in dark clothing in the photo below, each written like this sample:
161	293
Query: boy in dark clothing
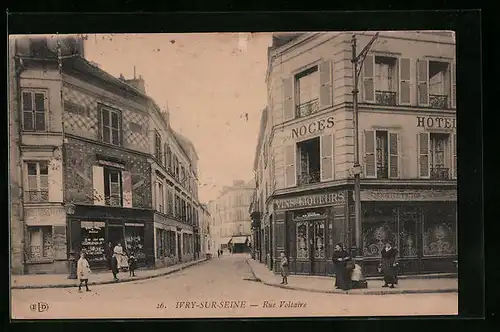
132	265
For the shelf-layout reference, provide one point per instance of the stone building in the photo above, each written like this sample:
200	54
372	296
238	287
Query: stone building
407	132
88	169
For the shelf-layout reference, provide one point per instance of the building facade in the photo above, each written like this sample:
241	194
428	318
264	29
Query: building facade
407	142
205	237
231	224
88	169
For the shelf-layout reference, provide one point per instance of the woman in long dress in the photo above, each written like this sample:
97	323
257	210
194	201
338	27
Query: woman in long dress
120	256
342	274
388	264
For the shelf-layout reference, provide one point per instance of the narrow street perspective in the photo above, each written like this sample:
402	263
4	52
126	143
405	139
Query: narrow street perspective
225	281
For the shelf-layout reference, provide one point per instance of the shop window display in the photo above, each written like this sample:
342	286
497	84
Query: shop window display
93	234
134	241
379	226
302	241
439	234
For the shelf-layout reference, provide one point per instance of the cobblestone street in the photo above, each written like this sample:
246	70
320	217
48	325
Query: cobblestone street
223	280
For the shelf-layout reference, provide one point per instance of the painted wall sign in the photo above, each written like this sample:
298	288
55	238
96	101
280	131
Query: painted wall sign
408	195
313	127
310	200
436	122
45	216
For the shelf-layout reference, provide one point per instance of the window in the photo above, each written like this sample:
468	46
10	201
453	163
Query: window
437	156
177	207
176	167
38	181
112	187
171	244
160	201
309	161
170	202
158	152
161	243
385	80
40	242
34	111
381	154
436	83
307	92
111	126
168	157
182	175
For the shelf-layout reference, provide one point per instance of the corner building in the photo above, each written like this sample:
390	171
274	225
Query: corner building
407	141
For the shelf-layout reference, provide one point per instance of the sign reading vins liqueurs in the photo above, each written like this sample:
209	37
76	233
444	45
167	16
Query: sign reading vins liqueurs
310	200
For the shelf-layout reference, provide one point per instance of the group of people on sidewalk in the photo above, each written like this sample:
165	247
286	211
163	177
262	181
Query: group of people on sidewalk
348	274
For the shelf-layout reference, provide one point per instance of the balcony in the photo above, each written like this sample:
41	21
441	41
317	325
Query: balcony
382	172
113	200
37	196
438	101
307	108
312	177
388	98
440	173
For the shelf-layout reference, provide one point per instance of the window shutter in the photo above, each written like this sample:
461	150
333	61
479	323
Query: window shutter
423	155
23	46
454	156
121	140
55	181
404	81
393	155
327	157
325	84
127	189
290	159
370	169
453	85
98	181
368	78
288	99
100	114
423	82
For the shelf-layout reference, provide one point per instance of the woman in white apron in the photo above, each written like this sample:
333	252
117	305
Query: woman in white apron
120	256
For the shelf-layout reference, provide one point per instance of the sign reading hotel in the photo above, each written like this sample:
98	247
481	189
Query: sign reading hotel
436	122
312	128
310	200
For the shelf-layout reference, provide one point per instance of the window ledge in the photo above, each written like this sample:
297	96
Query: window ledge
40	261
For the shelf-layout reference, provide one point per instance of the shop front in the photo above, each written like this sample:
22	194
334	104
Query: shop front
421	224
96	230
307	227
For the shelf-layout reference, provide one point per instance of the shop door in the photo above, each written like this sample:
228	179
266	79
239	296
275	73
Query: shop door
115	234
311	254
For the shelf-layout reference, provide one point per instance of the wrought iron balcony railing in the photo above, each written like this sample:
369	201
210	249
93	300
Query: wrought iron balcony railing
38	195
440	173
307	108
113	200
382	172
438	101
312	177
388	98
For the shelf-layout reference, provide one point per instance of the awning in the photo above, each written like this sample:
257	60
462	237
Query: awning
239	239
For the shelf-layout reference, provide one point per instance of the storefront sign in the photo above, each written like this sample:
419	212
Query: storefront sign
313	127
436	122
133	225
408	195
311	200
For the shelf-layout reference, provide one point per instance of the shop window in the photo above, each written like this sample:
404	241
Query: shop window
112	186
134	240
309	166
407	223
38	181
386	80
307	92
93	234
379	226
161	243
40	243
171	244
302	232
439	232
34	110
111	125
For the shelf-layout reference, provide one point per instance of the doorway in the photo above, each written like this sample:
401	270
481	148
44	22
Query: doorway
179	246
311	247
115	235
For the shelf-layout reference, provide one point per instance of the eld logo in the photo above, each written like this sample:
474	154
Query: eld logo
39	306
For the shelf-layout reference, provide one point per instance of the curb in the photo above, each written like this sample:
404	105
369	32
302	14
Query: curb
107	282
355	292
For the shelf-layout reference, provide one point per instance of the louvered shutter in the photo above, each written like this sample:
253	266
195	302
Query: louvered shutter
290	169
454	155
368	79
423	82
127	189
288	99
423	155
327	157
404	81
453	85
393	155
325	81
370	169
98	182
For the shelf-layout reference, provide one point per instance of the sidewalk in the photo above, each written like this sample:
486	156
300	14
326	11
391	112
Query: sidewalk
101	278
319	284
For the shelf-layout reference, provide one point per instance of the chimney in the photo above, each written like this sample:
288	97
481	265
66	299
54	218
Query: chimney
137	83
166	116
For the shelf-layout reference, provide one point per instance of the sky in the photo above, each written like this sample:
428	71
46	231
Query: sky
214	86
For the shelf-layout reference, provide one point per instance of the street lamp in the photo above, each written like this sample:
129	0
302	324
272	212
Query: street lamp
70	210
356	170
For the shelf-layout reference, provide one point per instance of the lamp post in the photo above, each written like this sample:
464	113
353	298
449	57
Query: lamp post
70	210
357	65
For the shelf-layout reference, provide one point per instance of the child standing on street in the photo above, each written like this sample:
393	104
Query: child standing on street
284	269
131	265
83	271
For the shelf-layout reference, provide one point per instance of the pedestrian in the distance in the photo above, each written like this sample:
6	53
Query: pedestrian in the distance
388	265
218	252
83	272
342	273
114	267
109	254
284	269
132	265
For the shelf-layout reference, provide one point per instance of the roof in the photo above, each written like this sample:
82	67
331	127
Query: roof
185	144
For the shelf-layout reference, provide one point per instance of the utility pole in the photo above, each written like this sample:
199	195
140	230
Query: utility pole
357	64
